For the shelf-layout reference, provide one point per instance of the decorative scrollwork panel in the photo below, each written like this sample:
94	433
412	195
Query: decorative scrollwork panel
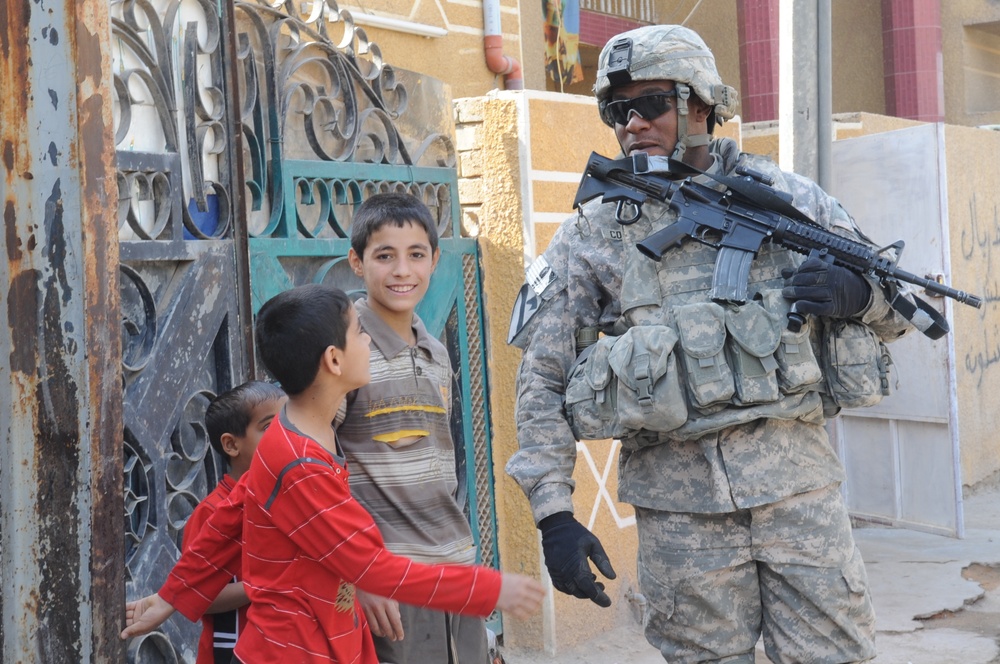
170	105
180	349
314	88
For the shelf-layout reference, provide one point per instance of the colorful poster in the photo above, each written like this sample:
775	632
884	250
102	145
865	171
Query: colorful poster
562	40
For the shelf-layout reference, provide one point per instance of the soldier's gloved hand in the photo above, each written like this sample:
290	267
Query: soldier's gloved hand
823	289
567	545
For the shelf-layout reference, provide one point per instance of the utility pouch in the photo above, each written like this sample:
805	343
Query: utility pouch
591	399
754	336
701	330
650	396
856	364
798	368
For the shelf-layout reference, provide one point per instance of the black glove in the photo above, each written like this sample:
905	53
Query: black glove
824	289
567	545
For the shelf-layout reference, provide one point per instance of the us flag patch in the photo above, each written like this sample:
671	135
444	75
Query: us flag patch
538	277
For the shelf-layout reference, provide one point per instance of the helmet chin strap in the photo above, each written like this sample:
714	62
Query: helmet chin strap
684	141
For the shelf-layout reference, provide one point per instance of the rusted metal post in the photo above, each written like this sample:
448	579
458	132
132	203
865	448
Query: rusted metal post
61	529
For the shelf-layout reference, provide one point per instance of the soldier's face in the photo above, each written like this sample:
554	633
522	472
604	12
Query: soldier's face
655	135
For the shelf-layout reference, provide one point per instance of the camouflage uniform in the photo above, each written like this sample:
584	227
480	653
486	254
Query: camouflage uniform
742	528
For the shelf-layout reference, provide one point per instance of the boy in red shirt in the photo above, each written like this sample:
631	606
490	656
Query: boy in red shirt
235	421
306	542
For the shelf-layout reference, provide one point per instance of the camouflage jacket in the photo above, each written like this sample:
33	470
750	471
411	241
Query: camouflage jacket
580	281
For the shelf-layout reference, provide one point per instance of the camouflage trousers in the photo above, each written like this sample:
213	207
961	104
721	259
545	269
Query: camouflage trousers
788	571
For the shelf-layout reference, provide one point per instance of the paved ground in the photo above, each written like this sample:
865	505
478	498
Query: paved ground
937	599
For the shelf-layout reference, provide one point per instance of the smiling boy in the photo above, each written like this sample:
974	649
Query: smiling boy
395	432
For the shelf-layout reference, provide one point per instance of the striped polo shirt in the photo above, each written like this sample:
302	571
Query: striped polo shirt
396	437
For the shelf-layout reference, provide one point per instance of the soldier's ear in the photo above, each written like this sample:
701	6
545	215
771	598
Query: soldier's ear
698	109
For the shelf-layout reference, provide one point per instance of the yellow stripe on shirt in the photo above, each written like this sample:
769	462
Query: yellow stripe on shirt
395	436
399	409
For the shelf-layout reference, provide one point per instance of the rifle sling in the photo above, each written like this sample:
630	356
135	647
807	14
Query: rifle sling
920	313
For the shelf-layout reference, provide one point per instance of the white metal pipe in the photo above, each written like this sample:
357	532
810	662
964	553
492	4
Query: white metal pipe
491	17
398	25
824	79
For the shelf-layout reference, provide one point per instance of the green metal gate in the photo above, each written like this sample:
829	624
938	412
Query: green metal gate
248	133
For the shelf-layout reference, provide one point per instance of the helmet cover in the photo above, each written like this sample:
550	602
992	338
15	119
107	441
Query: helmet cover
664	52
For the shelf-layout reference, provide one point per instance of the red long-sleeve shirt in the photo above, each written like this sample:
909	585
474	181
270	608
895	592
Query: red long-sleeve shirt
307	544
229	628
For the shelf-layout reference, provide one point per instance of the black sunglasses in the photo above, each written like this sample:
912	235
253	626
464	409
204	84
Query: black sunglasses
649	107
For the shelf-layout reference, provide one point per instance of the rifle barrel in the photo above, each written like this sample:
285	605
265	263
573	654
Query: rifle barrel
938	288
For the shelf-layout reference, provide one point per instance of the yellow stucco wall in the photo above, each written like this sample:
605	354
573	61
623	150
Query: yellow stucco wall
501	241
857	50
958	17
717	24
974	232
458	58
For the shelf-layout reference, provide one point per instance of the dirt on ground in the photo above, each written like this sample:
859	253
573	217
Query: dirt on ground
981	617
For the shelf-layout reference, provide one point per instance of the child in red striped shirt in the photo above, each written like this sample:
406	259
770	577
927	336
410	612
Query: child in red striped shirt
235	421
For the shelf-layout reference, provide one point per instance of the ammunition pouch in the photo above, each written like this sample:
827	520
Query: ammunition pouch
721	366
621	385
855	363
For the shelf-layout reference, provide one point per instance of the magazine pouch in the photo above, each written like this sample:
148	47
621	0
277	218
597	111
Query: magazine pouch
590	393
701	330
798	368
754	336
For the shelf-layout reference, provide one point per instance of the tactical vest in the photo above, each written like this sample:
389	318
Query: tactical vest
679	366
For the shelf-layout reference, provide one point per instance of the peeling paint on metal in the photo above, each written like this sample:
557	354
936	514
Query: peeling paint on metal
13	242
57	443
94	151
22	307
64	582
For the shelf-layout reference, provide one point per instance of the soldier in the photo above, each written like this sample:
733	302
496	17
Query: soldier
742	528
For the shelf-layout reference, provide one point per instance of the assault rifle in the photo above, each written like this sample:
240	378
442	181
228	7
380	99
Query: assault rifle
738	218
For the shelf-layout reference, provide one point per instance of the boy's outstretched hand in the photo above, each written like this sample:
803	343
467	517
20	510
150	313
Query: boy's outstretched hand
521	596
144	615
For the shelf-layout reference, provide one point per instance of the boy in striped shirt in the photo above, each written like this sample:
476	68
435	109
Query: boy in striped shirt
396	431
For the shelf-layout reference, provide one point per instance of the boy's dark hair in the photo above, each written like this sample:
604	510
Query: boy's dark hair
391	208
230	411
294	329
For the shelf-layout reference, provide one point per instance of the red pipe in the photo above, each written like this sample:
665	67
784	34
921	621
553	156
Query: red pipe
504	65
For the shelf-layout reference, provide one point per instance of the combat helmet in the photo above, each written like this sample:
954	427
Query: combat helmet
672	53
